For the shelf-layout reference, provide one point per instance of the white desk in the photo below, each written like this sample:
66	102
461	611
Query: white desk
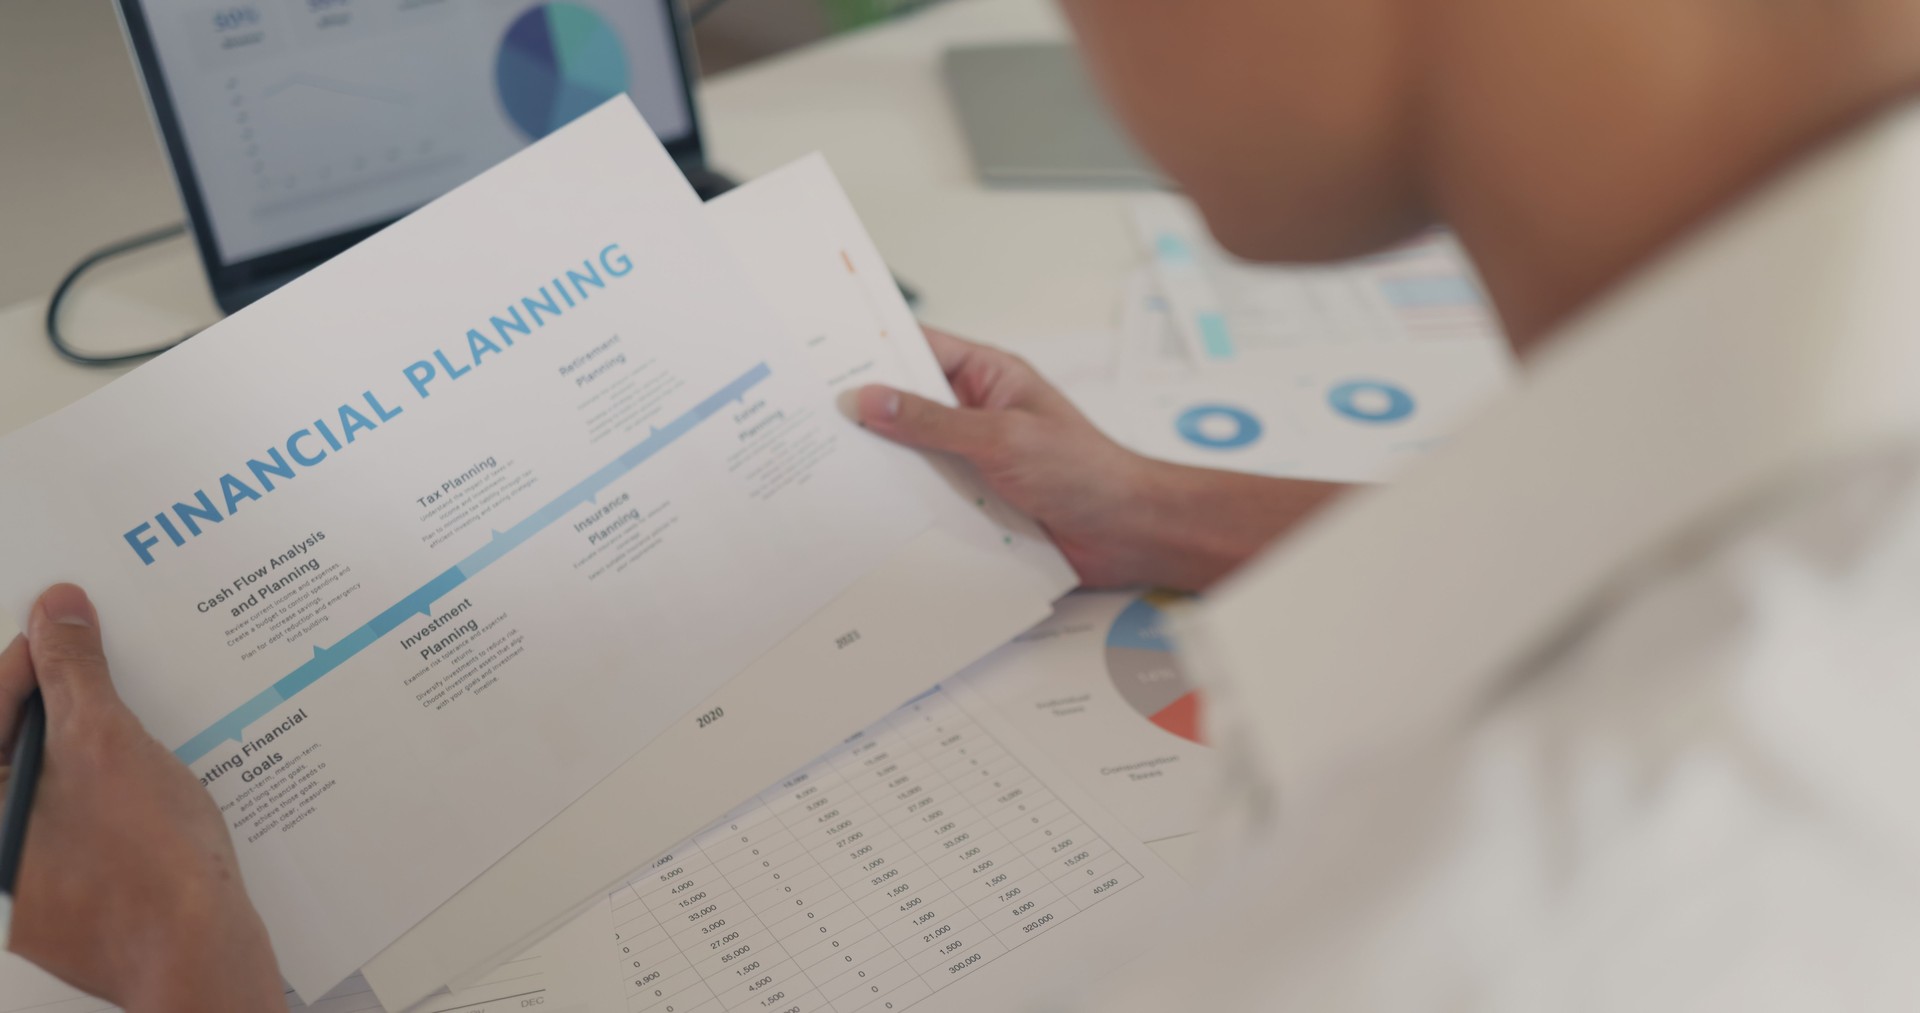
1008	267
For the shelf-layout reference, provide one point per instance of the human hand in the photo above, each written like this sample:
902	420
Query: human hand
128	888
1120	519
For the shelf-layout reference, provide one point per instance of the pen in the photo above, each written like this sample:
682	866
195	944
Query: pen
21	783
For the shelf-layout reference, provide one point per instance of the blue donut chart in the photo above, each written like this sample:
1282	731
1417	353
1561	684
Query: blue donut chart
1193	426
1372	402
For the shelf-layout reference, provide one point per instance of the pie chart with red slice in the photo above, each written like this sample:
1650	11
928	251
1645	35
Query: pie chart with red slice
1141	662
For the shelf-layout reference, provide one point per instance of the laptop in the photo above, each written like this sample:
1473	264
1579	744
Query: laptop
297	129
1034	120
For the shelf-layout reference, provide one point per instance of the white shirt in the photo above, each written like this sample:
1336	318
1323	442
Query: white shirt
1615	703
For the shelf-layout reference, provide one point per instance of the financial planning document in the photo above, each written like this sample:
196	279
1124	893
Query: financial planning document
403	559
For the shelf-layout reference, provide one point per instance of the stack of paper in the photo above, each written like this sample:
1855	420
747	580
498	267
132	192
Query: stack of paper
477	571
489	559
928	612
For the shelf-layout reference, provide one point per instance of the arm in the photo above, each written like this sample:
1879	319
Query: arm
1121	519
1193	526
129	888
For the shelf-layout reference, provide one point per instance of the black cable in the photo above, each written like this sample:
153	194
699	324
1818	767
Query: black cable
92	260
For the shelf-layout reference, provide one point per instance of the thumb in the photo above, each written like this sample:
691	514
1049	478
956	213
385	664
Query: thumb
63	637
918	422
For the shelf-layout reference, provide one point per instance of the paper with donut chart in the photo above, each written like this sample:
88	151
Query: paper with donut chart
405	558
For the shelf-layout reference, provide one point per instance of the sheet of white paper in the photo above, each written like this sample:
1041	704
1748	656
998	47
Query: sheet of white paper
404	558
1352	413
1073	360
980	576
1145	352
1337	410
1152	350
1230	311
937	862
522	984
801	242
1099	689
25	988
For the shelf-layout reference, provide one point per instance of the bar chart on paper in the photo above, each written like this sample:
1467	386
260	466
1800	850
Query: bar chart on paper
1228	310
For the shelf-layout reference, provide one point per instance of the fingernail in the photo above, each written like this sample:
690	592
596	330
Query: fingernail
881	404
68	605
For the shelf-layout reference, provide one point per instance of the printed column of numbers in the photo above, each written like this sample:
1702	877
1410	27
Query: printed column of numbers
902	862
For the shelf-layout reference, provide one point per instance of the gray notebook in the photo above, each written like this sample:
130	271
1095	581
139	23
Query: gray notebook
1032	118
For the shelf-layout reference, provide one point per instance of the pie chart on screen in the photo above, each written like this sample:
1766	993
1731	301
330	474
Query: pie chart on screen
557	61
1141	662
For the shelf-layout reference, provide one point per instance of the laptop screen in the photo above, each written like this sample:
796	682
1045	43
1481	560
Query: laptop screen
301	120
